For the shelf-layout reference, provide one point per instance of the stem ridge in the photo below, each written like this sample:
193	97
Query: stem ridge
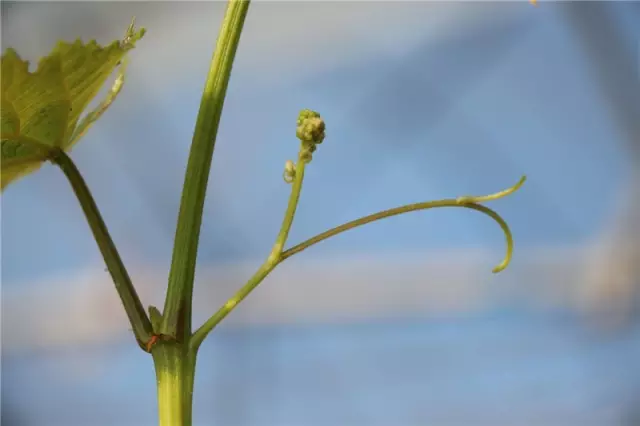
176	316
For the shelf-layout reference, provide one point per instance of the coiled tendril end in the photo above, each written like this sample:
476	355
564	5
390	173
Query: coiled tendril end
468	199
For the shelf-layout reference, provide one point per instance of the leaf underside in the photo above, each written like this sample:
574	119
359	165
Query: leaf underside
41	109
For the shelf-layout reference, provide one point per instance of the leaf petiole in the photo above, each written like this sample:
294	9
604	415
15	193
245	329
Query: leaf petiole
135	312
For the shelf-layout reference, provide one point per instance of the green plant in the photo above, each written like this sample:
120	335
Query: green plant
40	121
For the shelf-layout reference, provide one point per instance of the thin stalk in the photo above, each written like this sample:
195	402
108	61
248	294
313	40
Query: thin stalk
275	260
468	202
406	209
137	316
201	333
178	303
292	205
275	257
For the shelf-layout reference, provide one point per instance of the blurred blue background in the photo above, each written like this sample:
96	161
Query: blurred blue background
398	323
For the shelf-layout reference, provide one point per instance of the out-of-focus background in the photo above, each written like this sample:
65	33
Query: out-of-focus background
398	323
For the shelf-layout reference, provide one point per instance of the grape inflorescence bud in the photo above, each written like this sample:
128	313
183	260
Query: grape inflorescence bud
311	132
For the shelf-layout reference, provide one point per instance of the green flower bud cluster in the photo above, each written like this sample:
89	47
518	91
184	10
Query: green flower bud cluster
311	132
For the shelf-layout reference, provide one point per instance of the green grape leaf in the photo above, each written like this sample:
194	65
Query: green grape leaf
42	109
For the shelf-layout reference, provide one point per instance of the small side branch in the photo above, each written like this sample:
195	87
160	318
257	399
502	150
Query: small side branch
311	132
274	259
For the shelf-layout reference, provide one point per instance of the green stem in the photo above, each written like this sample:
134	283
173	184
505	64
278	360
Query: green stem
294	197
406	209
175	371
274	260
468	202
200	334
137	316
178	304
275	257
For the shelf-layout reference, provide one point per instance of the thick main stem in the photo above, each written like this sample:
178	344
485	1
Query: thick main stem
175	371
177	308
174	360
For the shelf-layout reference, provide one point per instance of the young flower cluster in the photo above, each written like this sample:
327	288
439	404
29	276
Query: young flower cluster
311	132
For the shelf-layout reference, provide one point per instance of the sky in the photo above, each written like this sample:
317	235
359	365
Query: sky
422	101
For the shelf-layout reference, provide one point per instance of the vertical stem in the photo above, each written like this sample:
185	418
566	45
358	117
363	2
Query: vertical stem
177	309
175	369
174	361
